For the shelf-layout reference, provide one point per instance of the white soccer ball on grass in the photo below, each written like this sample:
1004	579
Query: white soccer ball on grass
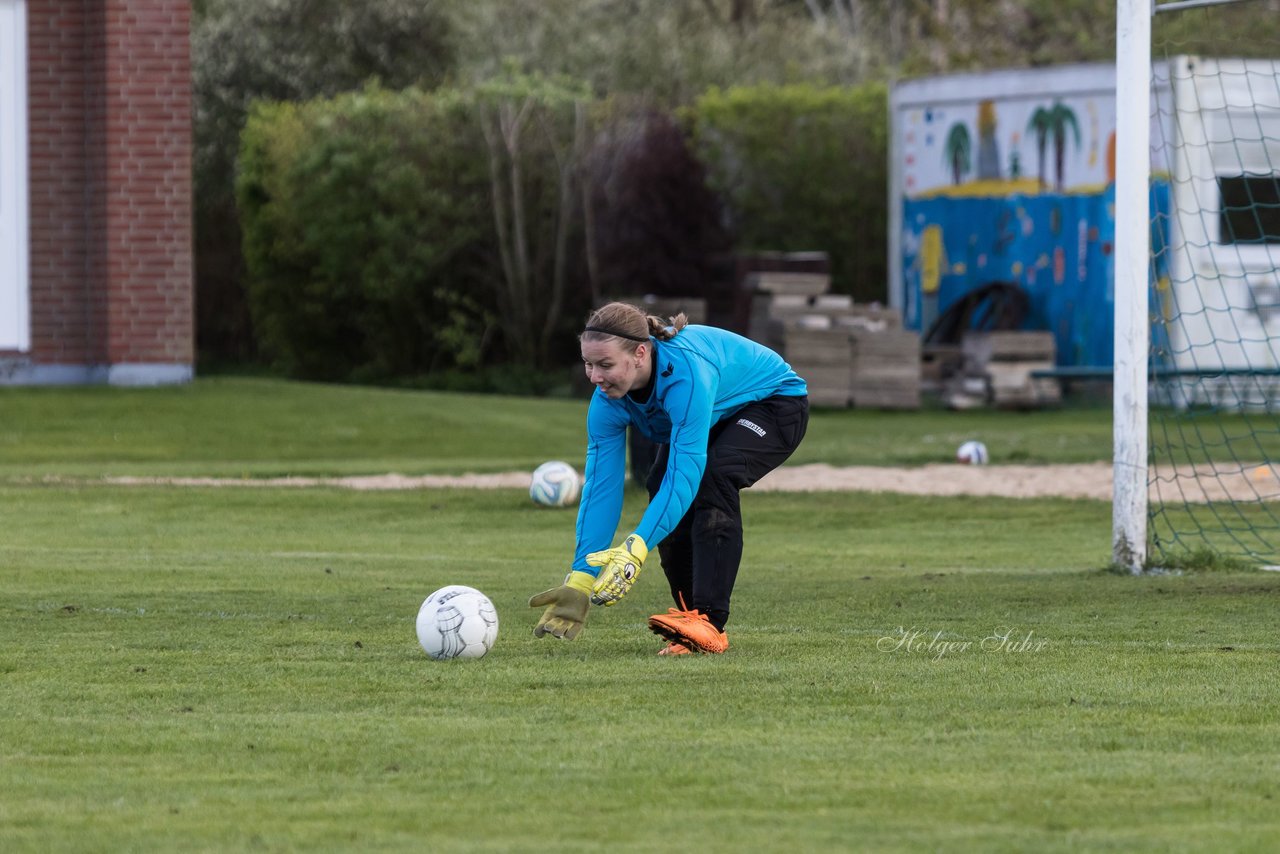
555	484
457	622
972	453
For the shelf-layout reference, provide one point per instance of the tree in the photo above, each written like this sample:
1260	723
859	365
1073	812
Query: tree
1060	118
654	226
958	151
668	50
739	14
283	50
802	168
367	234
1040	123
534	131
1052	123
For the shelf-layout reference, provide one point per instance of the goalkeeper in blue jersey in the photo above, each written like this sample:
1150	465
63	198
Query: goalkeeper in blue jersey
726	411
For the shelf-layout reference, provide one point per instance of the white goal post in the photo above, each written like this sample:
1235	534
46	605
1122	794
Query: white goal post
1132	259
1196	408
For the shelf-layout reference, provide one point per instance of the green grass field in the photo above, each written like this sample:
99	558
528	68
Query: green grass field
260	428
236	669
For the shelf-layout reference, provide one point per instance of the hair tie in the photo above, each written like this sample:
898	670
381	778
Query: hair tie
603	331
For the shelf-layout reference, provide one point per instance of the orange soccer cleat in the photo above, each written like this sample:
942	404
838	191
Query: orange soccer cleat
675	648
689	628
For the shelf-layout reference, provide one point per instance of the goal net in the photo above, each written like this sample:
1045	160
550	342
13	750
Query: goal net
1214	400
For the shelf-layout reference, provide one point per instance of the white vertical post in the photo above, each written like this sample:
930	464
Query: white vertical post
1132	251
897	288
15	286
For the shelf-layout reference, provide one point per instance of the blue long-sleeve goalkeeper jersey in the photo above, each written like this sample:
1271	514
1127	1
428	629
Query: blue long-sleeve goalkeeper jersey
700	376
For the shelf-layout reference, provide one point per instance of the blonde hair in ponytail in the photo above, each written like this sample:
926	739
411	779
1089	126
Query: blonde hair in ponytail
630	325
665	330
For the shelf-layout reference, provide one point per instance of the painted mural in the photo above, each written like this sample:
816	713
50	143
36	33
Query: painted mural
1017	190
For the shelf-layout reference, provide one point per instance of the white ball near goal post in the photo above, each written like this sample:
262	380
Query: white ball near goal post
972	453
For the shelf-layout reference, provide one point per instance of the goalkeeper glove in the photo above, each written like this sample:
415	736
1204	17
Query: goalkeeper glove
566	606
620	568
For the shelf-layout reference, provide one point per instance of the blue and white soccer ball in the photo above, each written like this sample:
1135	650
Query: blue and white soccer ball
973	453
457	622
555	484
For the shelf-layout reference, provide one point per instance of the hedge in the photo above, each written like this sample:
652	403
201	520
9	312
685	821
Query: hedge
803	167
365	225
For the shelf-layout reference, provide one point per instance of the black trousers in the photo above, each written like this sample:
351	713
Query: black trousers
701	556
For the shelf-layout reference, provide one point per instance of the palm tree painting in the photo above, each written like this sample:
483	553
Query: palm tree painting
1060	116
1053	122
958	149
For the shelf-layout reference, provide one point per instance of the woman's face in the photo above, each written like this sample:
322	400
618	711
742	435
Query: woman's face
612	369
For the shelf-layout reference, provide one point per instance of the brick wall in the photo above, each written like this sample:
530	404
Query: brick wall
148	181
66	315
110	138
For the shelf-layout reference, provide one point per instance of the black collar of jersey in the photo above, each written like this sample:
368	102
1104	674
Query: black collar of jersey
642	395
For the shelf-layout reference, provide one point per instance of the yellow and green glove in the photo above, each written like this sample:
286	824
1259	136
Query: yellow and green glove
619	569
566	606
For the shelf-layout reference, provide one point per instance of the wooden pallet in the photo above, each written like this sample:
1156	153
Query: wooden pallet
998	370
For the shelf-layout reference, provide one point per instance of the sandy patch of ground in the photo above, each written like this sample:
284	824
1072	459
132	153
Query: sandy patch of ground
502	480
1068	481
1249	482
1190	484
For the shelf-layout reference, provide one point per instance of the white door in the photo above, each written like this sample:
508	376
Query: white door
15	291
